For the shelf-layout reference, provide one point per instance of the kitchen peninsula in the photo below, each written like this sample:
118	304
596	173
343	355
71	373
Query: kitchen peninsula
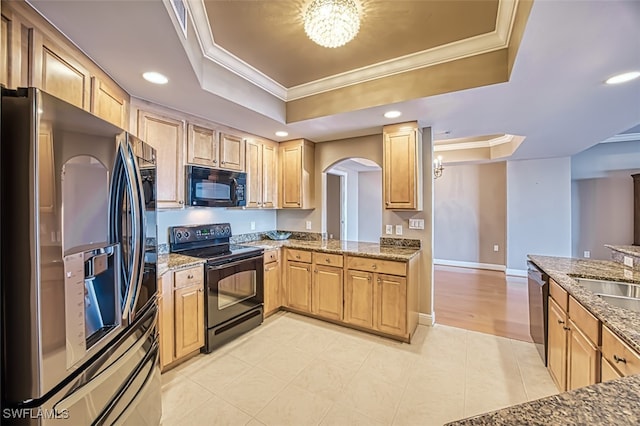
616	399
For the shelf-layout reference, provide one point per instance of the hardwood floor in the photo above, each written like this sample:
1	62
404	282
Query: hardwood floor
481	300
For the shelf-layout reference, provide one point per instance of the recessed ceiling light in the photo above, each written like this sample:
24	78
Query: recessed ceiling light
155	77
281	133
623	78
392	114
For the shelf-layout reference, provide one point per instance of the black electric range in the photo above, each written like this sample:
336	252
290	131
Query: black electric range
234	280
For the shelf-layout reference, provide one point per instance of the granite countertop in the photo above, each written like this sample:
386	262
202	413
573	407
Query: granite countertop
613	402
631	250
356	248
170	261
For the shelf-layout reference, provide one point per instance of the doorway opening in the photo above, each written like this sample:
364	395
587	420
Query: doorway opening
353	200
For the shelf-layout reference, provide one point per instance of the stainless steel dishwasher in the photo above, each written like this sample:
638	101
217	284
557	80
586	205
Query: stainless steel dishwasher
538	313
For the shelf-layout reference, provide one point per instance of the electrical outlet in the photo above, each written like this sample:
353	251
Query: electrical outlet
308	225
253	225
628	261
398	229
496	247
586	254
389	230
628	274
416	223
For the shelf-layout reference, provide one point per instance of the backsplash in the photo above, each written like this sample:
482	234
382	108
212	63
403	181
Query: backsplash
619	253
400	242
257	236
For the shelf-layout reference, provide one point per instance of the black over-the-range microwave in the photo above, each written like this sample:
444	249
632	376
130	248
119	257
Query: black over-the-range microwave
209	187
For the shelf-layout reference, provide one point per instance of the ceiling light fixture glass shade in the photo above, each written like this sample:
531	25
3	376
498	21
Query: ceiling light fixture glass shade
332	23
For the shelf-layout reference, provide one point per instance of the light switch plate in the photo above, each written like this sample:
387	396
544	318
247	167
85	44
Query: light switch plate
628	261
496	247
253	226
398	229
586	254
389	230
308	225
416	223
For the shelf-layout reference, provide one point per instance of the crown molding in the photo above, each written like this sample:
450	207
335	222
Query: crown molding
623	137
497	39
490	143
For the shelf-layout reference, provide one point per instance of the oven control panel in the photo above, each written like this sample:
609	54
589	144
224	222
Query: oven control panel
187	234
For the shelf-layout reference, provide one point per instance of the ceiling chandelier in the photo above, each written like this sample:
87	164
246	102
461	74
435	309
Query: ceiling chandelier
332	23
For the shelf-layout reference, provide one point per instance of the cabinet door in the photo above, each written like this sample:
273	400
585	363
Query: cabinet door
582	364
166	319
400	171
5	48
231	152
202	146
557	345
166	136
327	292
358	298
189	319
269	176
62	76
607	372
254	174
299	286
390	311
109	104
271	287
291	167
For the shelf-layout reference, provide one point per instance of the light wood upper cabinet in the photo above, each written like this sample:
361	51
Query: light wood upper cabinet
202	146
402	168
110	103
5	48
60	74
327	292
166	135
261	174
296	174
232	153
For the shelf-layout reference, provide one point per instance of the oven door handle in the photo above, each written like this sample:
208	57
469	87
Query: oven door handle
230	264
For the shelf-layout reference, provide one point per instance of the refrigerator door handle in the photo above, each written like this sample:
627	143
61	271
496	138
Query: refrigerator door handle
124	168
81	392
141	245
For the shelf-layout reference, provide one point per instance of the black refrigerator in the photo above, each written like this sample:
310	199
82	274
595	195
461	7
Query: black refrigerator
78	267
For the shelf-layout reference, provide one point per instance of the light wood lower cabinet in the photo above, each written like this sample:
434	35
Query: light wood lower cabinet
327	292
298	286
358	298
272	288
624	360
180	314
607	371
583	362
390	298
557	345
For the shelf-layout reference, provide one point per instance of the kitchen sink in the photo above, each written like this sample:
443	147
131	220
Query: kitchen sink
617	293
610	288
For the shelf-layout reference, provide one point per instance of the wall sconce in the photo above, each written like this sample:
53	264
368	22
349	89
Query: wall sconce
437	167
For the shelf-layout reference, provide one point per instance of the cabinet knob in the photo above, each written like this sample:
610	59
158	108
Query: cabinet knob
379	281
201	290
328	260
306	269
368	278
180	202
224	162
566	328
215	161
387	203
560	322
374	266
316	271
297	256
190	276
618	359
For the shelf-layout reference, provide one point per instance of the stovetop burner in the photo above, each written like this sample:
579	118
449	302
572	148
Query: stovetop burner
209	242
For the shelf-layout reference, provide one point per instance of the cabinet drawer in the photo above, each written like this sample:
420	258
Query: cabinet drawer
299	255
327	259
377	265
271	256
187	277
586	322
619	355
559	294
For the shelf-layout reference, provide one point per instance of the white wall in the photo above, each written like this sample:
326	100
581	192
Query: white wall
239	219
602	197
369	202
538	209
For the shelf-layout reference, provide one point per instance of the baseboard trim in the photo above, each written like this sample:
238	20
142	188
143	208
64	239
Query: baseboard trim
474	265
427	319
517	272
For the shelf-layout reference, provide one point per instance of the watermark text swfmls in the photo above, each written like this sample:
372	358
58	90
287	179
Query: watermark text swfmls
34	413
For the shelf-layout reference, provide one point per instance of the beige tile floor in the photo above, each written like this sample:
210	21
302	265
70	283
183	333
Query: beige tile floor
294	370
